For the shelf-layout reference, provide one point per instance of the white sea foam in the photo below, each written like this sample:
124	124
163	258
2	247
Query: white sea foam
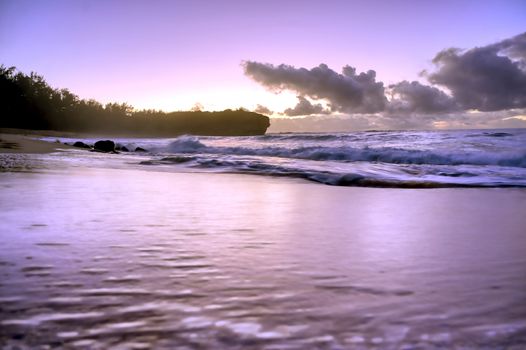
485	158
396	155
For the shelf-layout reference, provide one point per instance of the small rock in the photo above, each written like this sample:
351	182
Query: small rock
104	146
140	149
81	145
122	148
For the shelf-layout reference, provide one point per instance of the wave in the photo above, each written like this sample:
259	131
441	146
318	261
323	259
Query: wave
186	144
497	134
392	176
192	145
377	134
307	137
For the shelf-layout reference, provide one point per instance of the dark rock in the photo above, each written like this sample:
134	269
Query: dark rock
140	149
121	148
81	145
104	146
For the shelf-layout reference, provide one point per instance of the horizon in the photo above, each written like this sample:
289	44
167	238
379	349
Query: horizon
316	68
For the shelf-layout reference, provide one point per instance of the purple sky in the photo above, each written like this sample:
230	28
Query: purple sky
172	54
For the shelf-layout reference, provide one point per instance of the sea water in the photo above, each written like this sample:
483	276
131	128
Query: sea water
131	251
480	158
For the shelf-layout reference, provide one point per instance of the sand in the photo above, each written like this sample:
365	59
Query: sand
18	143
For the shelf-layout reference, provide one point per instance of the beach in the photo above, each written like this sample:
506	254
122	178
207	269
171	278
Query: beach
100	253
180	175
27	143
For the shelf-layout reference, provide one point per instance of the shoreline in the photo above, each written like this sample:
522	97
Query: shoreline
201	157
28	143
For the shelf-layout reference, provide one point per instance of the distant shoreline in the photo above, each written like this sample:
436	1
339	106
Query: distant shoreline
30	103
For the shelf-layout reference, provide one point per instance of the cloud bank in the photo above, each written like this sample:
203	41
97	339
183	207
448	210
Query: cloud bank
489	78
486	79
345	92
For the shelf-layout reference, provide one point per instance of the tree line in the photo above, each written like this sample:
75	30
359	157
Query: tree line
28	102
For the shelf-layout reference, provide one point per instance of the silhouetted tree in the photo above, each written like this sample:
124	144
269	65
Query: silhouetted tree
28	102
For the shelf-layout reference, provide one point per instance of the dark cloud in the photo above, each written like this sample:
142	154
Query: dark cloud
413	97
514	48
488	78
346	92
263	110
305	107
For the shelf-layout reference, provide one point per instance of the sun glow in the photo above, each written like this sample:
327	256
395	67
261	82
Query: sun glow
217	100
519	117
440	124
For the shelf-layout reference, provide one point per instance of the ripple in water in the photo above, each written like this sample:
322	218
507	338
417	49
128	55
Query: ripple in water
301	269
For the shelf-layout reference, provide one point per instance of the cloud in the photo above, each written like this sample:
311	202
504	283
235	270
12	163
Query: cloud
305	107
345	92
488	78
263	110
515	47
414	97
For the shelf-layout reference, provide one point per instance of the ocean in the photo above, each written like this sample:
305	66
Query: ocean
413	159
419	243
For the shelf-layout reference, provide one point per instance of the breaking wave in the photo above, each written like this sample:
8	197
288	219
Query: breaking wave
416	159
192	144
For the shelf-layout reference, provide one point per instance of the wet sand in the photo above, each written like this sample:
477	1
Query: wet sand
19	143
101	257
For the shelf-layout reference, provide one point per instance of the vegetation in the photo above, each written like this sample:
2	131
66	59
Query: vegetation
28	102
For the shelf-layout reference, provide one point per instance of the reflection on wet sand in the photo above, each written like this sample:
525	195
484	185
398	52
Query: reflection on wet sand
130	259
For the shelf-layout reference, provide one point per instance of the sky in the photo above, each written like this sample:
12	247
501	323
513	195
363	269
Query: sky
272	56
